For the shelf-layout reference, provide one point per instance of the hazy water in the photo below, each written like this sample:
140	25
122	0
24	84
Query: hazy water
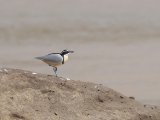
116	43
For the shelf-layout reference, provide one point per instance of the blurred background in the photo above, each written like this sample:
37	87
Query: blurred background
116	42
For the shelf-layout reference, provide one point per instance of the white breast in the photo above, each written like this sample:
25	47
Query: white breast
65	58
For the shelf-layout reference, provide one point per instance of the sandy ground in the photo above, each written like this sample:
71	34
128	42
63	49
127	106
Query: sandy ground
30	96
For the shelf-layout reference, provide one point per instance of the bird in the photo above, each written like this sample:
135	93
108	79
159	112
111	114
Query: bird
55	59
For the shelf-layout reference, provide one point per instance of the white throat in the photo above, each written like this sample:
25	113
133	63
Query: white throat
65	58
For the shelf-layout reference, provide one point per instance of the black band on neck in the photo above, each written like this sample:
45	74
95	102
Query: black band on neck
63	59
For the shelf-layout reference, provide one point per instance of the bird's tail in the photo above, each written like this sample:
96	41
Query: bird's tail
39	58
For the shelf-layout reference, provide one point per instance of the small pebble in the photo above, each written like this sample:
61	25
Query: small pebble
5	70
68	79
34	73
131	97
121	97
61	78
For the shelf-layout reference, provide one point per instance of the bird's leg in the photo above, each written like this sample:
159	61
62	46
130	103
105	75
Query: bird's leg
55	70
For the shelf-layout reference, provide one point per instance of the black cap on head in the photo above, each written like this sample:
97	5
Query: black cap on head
66	52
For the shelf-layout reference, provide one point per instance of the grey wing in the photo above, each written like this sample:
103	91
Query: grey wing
52	59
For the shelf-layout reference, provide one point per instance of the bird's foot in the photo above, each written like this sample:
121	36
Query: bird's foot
56	75
55	71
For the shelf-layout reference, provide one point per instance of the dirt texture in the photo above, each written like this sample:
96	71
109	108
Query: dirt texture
25	95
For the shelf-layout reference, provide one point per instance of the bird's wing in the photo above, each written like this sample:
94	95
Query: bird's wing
54	57
53	53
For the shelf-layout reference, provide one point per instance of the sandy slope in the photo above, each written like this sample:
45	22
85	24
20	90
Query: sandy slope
28	96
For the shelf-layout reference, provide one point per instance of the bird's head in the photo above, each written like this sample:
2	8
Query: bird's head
64	52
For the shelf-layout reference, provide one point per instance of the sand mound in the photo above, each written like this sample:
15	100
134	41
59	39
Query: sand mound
30	96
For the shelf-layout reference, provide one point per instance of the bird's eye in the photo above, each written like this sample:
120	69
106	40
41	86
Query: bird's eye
65	50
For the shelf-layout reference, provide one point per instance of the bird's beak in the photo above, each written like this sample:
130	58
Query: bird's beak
71	51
